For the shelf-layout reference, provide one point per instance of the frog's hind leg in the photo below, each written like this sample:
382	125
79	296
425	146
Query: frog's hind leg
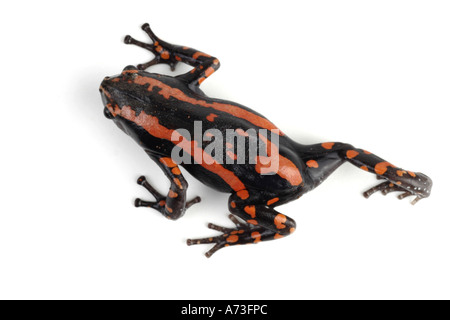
261	222
322	159
174	205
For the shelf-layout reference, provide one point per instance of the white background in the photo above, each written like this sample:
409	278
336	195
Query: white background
372	73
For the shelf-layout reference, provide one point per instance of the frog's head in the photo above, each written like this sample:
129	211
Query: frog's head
115	90
119	92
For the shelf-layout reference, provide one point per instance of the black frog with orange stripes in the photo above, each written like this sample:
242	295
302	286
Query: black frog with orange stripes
157	110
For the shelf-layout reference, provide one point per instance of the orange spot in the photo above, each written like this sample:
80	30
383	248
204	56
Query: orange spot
327	145
277	236
257	236
291	230
398	183
169	209
165	55
272	201
233	204
167	92
232	238
209	71
250	210
168	162
312	164
412	174
279	221
201	80
352	153
162	203
229	145
209	134
177	58
159	49
176	171
200	54
243	194
381	167
401	172
178	183
364	168
172	194
216	61
211	117
366	152
253	222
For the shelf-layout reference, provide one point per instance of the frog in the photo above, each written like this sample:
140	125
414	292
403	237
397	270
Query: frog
156	110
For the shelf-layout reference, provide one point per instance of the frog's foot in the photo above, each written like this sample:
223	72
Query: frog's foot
410	183
161	204
242	234
161	49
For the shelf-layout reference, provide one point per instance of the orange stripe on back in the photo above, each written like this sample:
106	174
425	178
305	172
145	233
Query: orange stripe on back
152	126
169	92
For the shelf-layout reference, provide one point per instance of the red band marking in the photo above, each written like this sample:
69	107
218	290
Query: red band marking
279	221
327	145
200	54
381	167
272	201
352	153
169	92
211	117
152	126
312	164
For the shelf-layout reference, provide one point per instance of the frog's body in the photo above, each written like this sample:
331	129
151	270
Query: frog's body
158	110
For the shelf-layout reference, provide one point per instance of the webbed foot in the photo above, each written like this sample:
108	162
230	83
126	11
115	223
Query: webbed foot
160	203
242	234
161	49
410	183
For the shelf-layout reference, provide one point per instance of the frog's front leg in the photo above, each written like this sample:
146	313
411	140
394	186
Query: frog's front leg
174	204
262	222
204	64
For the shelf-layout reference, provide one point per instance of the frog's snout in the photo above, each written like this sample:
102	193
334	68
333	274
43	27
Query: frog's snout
106	98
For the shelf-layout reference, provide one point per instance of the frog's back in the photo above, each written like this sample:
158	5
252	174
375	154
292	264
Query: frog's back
175	107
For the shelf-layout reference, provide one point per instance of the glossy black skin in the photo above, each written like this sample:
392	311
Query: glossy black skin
149	106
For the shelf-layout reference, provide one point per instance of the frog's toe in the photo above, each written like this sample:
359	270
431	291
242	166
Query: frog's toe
415	184
241	234
128	39
150	33
219	243
143	66
158	206
192	202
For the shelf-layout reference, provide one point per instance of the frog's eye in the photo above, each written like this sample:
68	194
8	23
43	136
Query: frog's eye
129	68
129	76
108	113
